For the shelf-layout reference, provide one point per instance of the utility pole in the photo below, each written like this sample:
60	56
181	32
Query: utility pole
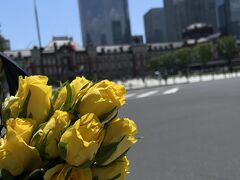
39	37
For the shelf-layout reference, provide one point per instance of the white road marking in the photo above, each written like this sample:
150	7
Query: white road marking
130	95
147	94
171	91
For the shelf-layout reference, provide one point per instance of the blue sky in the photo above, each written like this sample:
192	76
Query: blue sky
57	18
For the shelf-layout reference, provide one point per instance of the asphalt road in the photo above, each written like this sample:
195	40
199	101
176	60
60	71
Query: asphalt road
192	133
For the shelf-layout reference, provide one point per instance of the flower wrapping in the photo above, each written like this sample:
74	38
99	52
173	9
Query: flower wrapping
69	132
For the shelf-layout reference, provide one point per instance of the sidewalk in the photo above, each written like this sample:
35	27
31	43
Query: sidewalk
154	82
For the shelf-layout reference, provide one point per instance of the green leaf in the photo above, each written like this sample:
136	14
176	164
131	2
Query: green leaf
76	106
107	116
68	102
40	142
116	177
104	153
35	139
50	112
63	149
56	93
23	112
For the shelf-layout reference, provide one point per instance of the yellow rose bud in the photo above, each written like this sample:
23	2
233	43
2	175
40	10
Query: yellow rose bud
119	137
79	86
79	143
16	156
65	171
117	170
39	94
22	127
102	98
46	139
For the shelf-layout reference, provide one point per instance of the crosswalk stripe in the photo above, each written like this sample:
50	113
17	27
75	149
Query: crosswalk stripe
147	94
171	91
130	95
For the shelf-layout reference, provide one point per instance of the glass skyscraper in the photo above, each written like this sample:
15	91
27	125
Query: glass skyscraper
105	22
181	13
221	12
233	14
175	19
154	23
228	13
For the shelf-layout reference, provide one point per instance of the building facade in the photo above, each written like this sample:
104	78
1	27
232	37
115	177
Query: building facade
154	23
105	22
62	59
234	17
228	12
181	13
221	12
201	11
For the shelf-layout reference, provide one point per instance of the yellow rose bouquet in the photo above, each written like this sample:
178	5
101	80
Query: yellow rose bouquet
72	132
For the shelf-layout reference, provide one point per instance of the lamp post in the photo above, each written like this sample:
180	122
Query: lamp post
39	37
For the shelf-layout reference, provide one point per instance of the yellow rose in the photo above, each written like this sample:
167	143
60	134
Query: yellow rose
22	127
16	156
117	170
79	87
39	93
46	139
65	171
119	137
102	98
79	143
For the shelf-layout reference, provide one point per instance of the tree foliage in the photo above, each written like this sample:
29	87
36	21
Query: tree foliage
184	58
203	54
167	61
181	59
3	45
227	47
154	64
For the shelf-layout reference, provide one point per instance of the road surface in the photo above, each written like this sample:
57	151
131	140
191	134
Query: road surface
191	132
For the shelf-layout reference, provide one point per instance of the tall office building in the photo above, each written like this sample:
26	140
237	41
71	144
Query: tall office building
228	12
202	11
221	12
105	22
181	13
154	22
176	18
233	17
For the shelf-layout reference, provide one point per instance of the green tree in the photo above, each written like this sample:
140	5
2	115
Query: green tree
3	45
203	54
154	64
227	49
184	59
168	63
165	63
